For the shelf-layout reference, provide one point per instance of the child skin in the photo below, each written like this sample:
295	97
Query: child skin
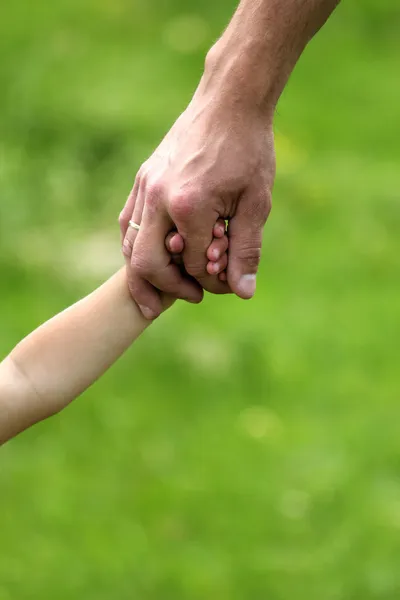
58	361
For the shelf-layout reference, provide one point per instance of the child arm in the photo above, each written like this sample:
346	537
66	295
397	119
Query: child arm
64	356
59	360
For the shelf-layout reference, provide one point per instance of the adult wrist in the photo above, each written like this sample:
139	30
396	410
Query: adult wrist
237	75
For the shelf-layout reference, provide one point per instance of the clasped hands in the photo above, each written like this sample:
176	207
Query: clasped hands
216	165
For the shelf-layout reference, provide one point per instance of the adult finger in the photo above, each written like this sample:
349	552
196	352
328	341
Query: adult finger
151	263
175	245
135	218
127	211
140	289
245	239
195	222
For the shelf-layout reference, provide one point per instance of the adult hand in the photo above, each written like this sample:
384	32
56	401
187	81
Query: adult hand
217	161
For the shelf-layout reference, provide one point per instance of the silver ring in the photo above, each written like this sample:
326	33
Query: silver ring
134	225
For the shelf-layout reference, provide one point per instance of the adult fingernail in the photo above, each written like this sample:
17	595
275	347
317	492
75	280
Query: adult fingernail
147	312
247	285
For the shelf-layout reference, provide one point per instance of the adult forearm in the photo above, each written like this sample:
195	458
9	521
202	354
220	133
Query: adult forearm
253	59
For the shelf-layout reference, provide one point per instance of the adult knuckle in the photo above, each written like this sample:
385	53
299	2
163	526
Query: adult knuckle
250	253
137	180
257	211
183	205
154	192
141	265
127	248
123	220
143	170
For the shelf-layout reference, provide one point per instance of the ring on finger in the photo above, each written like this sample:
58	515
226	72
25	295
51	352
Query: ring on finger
134	225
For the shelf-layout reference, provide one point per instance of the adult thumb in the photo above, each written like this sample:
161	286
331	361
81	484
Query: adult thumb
245	240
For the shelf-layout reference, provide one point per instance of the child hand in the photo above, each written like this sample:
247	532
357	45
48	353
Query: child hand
217	252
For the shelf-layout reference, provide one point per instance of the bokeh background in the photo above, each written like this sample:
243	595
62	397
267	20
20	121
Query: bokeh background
239	450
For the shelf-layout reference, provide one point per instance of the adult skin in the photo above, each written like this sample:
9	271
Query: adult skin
218	160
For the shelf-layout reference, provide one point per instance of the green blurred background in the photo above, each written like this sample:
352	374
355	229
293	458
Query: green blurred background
239	450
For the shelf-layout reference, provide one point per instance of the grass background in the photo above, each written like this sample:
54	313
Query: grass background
238	450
